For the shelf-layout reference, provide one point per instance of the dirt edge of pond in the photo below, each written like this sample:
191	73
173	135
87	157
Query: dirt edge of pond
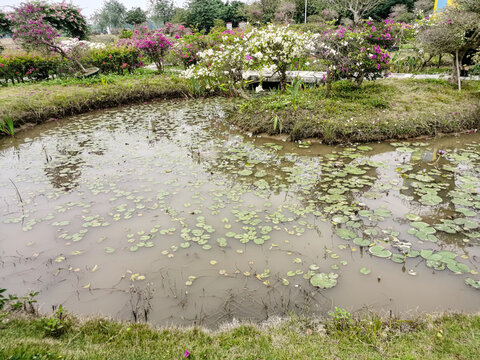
342	336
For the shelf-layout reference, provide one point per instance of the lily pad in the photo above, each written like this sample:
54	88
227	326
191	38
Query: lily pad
380	251
365	271
324	280
473	283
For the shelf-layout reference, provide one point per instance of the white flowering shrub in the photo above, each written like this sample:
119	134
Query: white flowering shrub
277	47
70	44
222	65
270	49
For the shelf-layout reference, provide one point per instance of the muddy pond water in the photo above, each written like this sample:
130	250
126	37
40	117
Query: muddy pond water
161	211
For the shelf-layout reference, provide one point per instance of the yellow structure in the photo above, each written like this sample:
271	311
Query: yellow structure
441	5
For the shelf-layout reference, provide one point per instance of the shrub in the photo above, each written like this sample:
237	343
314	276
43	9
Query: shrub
350	54
21	67
36	26
115	59
126	34
455	31
152	44
189	47
276	47
222	63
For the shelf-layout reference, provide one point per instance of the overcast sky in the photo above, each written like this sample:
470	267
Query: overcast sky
89	6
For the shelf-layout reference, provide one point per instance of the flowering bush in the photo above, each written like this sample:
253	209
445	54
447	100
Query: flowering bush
276	47
21	67
189	46
349	54
35	26
115	59
222	64
152	44
271	49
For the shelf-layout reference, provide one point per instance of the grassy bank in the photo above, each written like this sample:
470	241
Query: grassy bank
37	102
378	110
444	337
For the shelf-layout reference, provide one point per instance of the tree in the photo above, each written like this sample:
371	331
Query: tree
111	15
285	12
455	31
180	16
161	11
202	13
387	7
268	8
357	8
234	12
135	17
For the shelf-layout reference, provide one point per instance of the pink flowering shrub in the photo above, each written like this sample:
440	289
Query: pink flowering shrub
189	46
36	26
152	44
351	54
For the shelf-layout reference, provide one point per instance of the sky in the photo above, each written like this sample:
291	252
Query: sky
89	6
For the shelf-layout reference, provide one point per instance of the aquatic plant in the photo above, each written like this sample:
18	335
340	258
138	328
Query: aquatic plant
7	127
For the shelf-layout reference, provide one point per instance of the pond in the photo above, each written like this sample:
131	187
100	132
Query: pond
161	212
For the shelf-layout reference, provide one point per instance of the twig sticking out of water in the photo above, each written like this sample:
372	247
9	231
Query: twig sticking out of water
19	199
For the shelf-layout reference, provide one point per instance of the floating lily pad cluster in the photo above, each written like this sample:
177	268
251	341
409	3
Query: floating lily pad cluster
184	187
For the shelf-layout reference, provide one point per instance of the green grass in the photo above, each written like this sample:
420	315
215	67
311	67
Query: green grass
454	336
379	110
37	102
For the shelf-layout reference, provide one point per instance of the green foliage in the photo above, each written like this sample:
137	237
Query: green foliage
7	128
111	15
135	16
3	299
233	12
189	46
202	13
31	67
14	303
5	25
342	319
385	8
126	34
293	90
115	59
55	325
162	11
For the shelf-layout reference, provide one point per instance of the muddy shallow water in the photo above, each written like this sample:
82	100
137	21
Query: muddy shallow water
161	211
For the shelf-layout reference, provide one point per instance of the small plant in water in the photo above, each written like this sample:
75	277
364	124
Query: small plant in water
277	123
3	299
6	126
293	90
342	319
55	325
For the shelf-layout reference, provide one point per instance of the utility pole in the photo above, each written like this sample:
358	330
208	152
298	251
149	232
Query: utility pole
306	11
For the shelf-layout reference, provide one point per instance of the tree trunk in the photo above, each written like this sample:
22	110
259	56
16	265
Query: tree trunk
329	88
357	19
425	62
283	80
457	64
359	80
